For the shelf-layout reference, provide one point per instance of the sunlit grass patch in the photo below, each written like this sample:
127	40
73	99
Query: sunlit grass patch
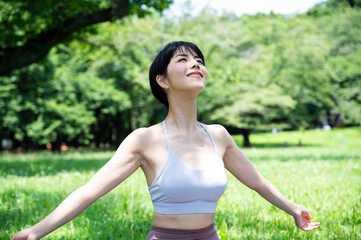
326	179
336	137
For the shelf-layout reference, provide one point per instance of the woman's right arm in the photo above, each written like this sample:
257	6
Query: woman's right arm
124	162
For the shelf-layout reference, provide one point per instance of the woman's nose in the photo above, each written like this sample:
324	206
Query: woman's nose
194	63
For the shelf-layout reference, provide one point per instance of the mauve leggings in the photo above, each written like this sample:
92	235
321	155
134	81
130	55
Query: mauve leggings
207	233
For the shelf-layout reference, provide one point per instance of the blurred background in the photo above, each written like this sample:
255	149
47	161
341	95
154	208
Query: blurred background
74	74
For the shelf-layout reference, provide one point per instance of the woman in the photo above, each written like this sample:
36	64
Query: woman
183	160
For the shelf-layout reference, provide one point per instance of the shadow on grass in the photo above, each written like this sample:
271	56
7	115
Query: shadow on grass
280	145
46	167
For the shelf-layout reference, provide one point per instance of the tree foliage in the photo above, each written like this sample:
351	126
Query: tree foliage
264	72
31	28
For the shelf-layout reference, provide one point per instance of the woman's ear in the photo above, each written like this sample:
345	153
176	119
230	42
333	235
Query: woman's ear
161	81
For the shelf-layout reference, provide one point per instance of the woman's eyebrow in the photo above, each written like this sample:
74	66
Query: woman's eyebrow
185	55
182	55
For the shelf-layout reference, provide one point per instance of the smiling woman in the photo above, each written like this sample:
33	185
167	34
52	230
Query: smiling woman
183	161
184	52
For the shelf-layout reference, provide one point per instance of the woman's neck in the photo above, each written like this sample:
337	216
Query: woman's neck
183	114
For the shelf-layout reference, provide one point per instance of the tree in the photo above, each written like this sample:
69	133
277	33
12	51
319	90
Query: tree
344	69
330	6
265	71
51	22
60	100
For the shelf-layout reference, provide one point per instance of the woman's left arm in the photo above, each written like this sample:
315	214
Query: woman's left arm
244	170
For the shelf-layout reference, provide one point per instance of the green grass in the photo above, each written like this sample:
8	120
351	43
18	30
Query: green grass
337	137
325	176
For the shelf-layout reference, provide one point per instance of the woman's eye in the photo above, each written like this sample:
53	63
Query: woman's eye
182	59
200	61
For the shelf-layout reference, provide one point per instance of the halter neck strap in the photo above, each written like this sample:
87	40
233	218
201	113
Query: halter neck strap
166	134
209	134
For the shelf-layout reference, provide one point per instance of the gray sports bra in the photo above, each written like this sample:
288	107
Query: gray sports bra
181	189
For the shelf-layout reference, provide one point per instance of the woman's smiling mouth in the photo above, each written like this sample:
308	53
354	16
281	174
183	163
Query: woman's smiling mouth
195	74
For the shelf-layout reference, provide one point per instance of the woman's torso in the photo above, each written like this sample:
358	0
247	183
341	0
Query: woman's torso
195	150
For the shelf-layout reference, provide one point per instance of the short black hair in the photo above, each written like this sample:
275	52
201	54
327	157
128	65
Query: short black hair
160	65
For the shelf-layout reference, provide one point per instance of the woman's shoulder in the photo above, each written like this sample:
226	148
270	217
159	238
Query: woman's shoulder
146	135
219	133
216	129
146	141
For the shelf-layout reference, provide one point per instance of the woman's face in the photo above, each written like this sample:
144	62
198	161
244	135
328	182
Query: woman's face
186	71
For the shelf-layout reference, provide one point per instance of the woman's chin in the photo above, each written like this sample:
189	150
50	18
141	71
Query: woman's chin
198	88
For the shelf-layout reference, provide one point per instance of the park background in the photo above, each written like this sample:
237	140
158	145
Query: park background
66	81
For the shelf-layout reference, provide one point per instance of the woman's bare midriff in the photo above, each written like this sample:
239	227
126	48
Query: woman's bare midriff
183	221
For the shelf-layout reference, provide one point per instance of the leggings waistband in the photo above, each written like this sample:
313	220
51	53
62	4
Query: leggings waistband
171	230
169	233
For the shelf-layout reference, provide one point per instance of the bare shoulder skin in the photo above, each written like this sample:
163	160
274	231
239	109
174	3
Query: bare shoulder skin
154	151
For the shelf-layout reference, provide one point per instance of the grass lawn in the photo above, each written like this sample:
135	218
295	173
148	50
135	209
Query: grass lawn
324	175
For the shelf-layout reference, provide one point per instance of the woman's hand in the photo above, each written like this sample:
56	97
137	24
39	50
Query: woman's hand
25	234
303	219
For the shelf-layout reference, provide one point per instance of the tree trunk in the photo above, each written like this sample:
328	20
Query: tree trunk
351	2
246	142
245	133
55	146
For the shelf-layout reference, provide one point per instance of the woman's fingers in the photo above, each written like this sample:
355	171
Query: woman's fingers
310	226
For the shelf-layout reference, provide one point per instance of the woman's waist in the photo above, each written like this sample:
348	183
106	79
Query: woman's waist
183	221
